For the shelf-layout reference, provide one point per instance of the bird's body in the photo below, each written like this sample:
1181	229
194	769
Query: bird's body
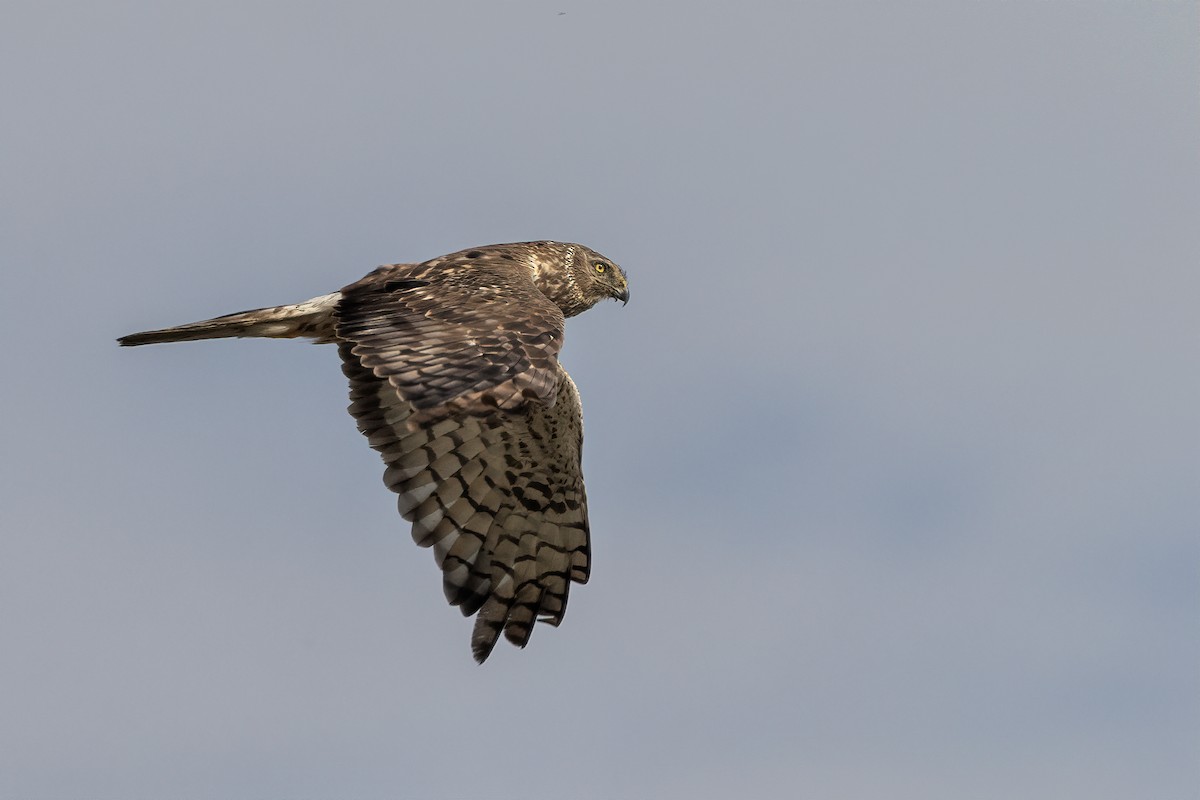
455	380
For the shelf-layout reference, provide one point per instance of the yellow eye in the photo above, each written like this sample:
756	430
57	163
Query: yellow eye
601	267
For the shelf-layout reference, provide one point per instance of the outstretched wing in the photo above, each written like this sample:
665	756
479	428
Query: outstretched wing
454	379
468	332
499	498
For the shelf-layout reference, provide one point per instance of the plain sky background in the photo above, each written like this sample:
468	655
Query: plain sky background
893	458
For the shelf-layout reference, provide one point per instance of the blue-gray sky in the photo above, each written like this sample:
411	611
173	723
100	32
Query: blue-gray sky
892	458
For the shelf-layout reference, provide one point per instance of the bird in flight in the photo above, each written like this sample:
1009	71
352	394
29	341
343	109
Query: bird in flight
455	380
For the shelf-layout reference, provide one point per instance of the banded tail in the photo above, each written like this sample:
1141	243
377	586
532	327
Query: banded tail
312	318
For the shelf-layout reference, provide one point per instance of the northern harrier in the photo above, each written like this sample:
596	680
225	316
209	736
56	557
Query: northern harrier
455	380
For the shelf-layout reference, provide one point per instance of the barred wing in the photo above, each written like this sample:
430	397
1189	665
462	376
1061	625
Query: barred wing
468	333
499	497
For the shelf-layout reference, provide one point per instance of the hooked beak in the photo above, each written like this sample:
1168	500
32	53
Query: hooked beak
623	296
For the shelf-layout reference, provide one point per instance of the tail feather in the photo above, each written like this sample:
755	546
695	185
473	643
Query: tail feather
312	319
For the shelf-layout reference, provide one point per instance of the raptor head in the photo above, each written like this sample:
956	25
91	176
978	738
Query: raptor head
572	276
598	278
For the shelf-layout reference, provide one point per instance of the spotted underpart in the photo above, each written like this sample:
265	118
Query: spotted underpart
455	380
